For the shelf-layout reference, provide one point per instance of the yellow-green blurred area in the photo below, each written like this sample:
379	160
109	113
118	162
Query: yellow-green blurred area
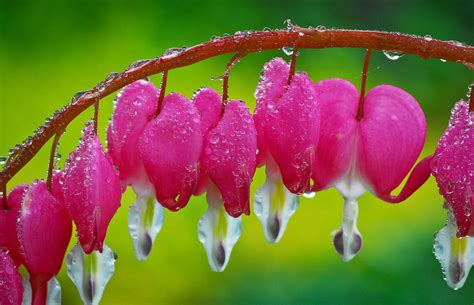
51	49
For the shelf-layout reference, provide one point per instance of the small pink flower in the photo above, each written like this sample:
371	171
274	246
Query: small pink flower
91	190
170	146
44	230
228	162
11	288
375	153
287	120
453	168
8	223
135	107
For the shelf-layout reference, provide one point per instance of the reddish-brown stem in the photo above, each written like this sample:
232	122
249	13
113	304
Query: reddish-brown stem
360	109
164	80
240	43
225	78
52	158
4	197
292	64
96	116
471	98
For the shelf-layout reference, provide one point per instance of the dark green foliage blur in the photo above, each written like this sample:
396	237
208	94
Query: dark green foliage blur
51	49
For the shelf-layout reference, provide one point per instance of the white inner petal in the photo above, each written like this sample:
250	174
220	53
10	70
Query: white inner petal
456	255
218	231
274	205
90	273
145	219
347	239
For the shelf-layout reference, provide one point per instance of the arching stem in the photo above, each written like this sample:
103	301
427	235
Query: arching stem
52	156
360	109
164	80
248	43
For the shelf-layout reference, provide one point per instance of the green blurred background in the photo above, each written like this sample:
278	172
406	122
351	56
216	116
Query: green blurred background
51	49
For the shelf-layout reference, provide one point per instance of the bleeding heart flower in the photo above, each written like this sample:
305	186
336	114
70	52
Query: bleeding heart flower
453	168
374	153
11	289
228	162
8	223
44	230
287	121
170	146
135	107
92	190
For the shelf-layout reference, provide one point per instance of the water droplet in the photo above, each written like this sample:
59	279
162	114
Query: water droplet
428	37
3	160
288	50
442	60
78	95
393	55
288	24
321	28
309	195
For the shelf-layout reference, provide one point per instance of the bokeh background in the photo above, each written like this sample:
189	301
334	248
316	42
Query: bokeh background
51	49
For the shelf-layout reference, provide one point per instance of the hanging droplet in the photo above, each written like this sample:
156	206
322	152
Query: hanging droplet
3	160
309	195
442	60
54	292
218	231
393	55
90	273
288	50
145	219
428	37
321	28
347	240
274	205
456	255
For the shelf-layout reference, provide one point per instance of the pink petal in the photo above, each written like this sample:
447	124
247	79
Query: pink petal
230	157
135	106
453	168
8	222
292	131
271	87
209	105
170	147
391	137
92	191
11	288
44	231
338	101
420	173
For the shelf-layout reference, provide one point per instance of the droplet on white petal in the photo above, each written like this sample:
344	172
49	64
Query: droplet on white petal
456	255
347	240
54	291
145	219
90	273
274	205
218	232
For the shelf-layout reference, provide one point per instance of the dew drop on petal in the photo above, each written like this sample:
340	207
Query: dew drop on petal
309	195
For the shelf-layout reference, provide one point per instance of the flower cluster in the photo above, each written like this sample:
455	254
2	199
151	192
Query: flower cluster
309	136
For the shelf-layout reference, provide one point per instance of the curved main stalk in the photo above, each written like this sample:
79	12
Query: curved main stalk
237	43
